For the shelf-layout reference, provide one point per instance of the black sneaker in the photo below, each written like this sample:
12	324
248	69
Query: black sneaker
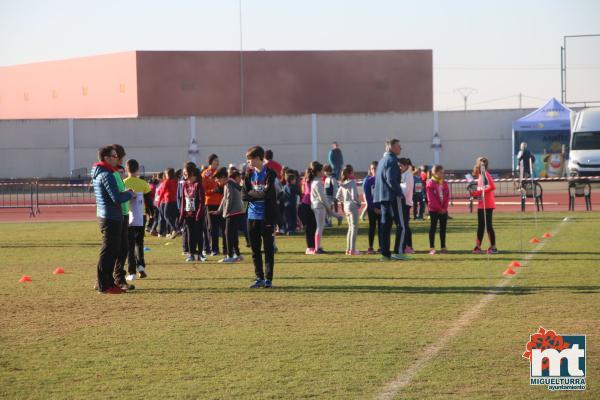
124	286
320	251
268	284
259	283
142	271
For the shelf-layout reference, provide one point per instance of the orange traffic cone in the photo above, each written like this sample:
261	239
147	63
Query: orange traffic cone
515	264
25	278
547	235
508	271
534	240
58	271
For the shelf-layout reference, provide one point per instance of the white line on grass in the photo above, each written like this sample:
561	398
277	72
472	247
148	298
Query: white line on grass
392	388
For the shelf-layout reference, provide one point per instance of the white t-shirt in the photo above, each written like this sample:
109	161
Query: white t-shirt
408	185
136	210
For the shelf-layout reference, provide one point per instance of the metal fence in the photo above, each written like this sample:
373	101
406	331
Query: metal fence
14	195
31	195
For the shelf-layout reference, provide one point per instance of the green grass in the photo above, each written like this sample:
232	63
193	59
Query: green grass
335	327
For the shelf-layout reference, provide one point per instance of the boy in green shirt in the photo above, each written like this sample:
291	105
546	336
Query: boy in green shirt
138	207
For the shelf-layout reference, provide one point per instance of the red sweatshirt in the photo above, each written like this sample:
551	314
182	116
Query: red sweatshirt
192	201
438	196
486	187
167	191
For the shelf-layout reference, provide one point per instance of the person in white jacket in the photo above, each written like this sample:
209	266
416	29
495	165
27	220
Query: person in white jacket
347	194
408	185
319	203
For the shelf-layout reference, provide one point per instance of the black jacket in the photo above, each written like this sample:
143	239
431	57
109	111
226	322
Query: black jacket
272	216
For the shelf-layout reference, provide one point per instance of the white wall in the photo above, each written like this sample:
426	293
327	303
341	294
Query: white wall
40	147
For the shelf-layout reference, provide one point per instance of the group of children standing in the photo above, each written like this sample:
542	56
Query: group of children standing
203	205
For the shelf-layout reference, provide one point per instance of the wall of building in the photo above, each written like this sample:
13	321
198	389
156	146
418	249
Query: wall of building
99	87
219	83
41	147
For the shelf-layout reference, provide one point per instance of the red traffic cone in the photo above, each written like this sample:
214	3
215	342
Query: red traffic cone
534	240
58	271
25	278
515	264
547	235
508	271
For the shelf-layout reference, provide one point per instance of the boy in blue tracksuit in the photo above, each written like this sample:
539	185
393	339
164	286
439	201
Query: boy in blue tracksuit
389	194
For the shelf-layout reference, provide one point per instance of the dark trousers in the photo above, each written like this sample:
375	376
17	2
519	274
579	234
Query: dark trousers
216	226
289	218
232	228
391	213
119	267
194	232
481	226
161	222
261	236
307	216
244	228
374	226
171	216
111	242
150	222
408	234
443	219
418	205
135	250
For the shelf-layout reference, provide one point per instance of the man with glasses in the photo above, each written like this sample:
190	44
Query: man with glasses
110	218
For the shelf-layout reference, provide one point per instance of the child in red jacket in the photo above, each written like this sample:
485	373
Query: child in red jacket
438	197
167	194
487	204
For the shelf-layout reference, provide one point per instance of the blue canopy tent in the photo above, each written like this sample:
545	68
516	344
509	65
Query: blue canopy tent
546	131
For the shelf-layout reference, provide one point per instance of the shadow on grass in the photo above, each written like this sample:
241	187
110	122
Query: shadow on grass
22	245
357	289
477	290
318	278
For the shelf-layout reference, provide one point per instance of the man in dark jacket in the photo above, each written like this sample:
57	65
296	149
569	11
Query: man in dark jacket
526	160
110	216
263	214
389	194
336	159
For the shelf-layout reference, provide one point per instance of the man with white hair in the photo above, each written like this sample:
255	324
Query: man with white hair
525	159
388	194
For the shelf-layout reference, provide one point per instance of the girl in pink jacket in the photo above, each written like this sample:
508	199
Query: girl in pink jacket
487	204
438	197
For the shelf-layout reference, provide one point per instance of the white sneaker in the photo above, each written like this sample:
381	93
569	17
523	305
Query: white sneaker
202	258
131	277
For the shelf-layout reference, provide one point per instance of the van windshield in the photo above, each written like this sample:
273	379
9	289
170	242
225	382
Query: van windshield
586	141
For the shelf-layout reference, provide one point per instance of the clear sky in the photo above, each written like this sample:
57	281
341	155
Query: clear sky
499	48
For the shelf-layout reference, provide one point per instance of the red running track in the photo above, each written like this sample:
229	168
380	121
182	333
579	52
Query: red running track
553	201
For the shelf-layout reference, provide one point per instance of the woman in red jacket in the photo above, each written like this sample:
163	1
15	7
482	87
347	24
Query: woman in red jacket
487	204
438	197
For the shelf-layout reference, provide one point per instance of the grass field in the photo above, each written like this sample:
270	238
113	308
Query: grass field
334	327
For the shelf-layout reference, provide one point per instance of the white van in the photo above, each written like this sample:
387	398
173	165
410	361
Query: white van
584	156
